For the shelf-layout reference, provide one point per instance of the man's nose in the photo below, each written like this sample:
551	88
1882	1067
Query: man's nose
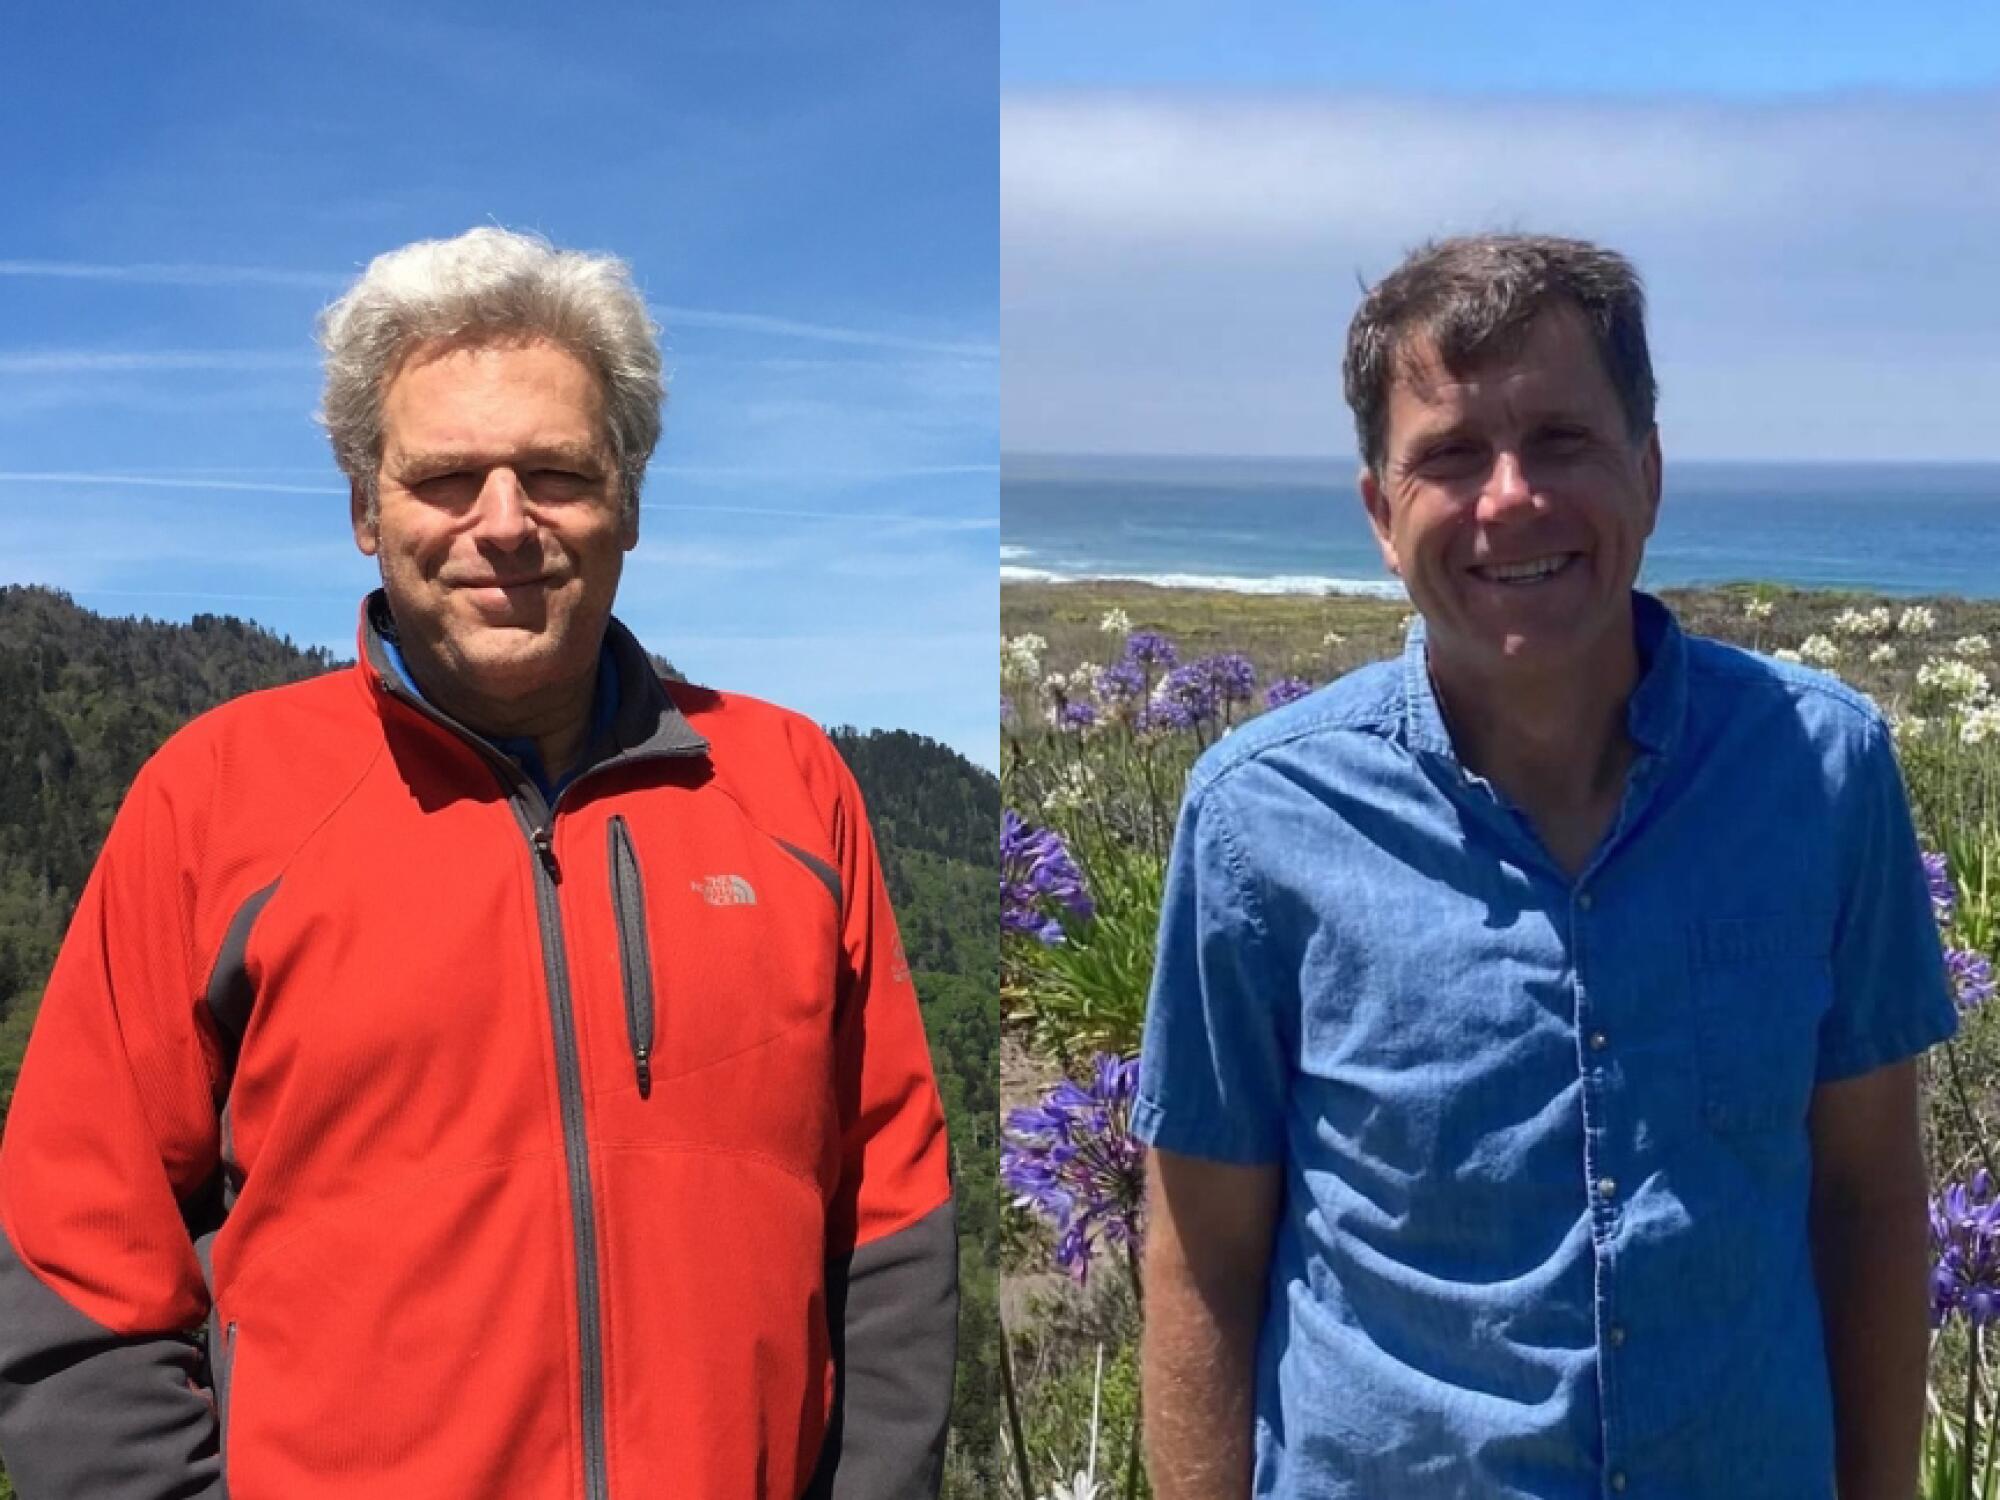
1507	494
501	512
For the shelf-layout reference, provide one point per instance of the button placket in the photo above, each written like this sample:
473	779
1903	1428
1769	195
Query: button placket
1601	1183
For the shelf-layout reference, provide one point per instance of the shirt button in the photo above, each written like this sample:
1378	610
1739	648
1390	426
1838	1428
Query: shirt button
1599	1041
1618	1480
1616	1333
1606	1187
1584	899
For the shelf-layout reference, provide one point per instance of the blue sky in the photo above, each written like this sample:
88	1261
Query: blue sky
1192	195
807	195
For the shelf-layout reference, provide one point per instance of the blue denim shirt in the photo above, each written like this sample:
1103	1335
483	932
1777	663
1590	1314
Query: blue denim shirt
1544	1140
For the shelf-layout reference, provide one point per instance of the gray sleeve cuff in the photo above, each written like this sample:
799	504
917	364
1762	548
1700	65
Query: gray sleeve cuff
892	1308
88	1412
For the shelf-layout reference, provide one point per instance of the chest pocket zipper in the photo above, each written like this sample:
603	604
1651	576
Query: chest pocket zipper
628	904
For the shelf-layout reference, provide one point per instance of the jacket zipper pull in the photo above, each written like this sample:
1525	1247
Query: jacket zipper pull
642	1064
545	850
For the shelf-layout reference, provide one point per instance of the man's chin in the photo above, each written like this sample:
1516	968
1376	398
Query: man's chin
510	664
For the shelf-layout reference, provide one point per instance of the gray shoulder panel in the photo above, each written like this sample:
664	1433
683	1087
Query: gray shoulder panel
828	876
84	1411
893	1310
230	994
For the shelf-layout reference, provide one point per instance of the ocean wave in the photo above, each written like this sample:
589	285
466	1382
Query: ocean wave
1283	583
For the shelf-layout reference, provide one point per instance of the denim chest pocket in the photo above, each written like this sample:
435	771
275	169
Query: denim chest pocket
1761	989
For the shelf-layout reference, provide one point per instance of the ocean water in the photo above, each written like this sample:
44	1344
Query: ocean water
1297	526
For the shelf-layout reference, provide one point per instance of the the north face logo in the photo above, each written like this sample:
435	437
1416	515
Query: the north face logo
724	890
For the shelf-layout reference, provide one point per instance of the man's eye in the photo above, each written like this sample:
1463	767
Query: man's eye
1449	458
441	486
558	483
1561	440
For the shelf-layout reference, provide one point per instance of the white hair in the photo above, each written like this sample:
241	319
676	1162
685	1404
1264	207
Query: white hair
490	285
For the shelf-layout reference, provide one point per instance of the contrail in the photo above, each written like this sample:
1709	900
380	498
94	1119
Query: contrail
111	361
951	523
148	481
703	317
163	273
172	273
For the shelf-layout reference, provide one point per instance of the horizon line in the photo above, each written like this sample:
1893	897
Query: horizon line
1161	455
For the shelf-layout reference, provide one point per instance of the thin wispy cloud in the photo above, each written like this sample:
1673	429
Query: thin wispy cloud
904	518
118	361
178	274
703	317
166	273
819	475
163	482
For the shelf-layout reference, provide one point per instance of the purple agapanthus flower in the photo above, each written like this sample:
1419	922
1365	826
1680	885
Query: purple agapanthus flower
1231	676
1944	899
1965	1252
1164	715
1038	880
1074	1160
1186	697
1286	690
1971	974
1148	648
1121	682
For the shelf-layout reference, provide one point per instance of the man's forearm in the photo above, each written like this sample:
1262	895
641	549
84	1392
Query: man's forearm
1870	1264
1199	1362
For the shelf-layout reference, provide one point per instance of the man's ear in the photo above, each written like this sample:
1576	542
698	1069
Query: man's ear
1654	469
1376	503
628	525
365	526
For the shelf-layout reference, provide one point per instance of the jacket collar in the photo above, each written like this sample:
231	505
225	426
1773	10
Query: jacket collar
647	724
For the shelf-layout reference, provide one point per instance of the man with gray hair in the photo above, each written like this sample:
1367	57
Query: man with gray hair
1530	1063
507	1056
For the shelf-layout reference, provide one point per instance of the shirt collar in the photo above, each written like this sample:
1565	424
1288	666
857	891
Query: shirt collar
1655	714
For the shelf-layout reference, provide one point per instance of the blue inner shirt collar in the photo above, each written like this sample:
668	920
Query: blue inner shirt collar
1654	714
523	751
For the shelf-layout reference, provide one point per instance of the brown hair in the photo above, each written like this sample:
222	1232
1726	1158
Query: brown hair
1473	298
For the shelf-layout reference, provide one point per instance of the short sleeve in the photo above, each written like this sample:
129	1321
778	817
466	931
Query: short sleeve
1212	1070
1891	999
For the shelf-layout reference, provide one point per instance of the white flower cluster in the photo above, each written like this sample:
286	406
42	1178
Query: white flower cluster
1115	622
1071	789
1864	623
1957	681
1906	728
1819	651
1787	654
1758	609
1981	725
1333	638
1918	619
1883	655
1972	645
1021	659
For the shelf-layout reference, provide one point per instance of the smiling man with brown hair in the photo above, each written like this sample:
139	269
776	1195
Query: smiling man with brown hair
508	1055
1530	1059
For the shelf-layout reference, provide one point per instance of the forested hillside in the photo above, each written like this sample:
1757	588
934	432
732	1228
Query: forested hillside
85	699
